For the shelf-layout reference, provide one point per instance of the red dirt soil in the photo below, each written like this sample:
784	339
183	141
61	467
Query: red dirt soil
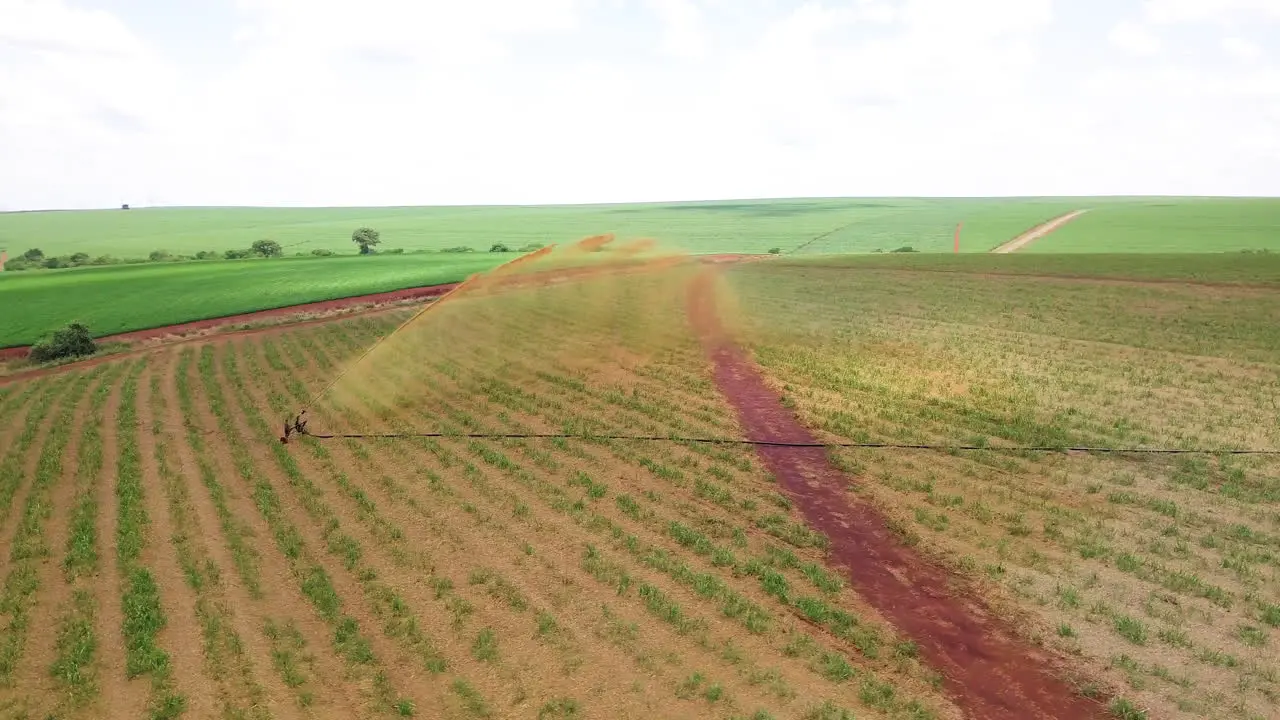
988	672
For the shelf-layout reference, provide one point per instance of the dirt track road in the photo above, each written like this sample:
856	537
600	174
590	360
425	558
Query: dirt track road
1038	232
988	671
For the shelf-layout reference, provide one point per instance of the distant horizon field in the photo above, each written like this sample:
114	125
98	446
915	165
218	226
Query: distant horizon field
118	299
802	226
1166	226
1225	269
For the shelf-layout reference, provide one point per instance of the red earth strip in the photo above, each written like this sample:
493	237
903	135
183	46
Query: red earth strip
988	672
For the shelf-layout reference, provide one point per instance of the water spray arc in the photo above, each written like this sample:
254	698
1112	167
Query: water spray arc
298	426
554	269
606	289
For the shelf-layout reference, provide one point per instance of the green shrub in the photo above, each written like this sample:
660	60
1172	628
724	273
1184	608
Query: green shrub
321	252
72	341
499	247
904	249
775	251
458	249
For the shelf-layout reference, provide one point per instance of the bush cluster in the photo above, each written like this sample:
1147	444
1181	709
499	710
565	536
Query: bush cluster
72	341
35	258
366	238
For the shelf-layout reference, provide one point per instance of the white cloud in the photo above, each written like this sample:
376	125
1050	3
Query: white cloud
1134	38
395	101
1241	49
1189	11
440	30
684	36
80	94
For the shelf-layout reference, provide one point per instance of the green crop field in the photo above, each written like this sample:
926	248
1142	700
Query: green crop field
740	226
133	297
754	226
1221	268
1169	225
123	298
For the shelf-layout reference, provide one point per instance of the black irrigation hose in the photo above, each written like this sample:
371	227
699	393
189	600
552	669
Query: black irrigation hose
774	443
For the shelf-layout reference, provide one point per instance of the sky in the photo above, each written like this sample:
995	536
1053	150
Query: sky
420	102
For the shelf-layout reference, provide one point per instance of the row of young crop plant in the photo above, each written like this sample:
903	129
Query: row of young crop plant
447	592
25	573
287	504
1161	570
55	668
314	653
668	525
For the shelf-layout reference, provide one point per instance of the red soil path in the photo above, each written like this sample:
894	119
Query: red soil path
988	672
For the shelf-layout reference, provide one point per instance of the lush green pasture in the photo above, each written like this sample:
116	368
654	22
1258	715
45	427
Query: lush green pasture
820	225
930	225
123	298
1169	225
1225	268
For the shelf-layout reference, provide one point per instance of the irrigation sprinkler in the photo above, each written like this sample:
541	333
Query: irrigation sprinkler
298	427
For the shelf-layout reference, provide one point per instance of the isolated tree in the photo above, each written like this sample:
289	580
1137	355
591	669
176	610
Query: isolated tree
267	248
366	238
34	255
499	247
775	251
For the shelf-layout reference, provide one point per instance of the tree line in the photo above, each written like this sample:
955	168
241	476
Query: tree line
366	239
